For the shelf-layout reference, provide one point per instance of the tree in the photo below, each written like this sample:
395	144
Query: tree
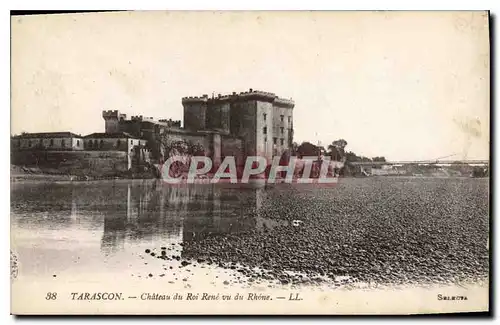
341	143
308	149
334	153
195	149
184	149
352	157
164	146
379	159
336	150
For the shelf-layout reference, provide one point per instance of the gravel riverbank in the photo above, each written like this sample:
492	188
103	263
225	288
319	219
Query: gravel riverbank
386	230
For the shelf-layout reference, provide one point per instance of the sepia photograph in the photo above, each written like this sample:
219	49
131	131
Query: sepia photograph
250	163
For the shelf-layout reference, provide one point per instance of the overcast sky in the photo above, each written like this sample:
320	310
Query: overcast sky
401	85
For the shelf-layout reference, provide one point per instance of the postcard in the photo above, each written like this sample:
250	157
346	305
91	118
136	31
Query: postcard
250	162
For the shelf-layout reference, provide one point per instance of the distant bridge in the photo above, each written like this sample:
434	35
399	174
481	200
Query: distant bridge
421	162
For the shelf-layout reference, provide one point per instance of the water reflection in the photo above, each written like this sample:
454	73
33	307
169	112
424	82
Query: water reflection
131	213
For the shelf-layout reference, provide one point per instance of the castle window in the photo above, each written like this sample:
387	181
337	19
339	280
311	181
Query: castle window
282	117
265	116
101	144
51	142
118	143
281	128
90	144
77	143
265	139
95	144
131	141
29	143
289	119
63	144
265	130
282	141
275	140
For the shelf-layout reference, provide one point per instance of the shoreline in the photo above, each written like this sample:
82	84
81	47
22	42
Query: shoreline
32	178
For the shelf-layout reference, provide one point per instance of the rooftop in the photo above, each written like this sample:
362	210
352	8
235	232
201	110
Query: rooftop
118	135
162	122
245	95
48	135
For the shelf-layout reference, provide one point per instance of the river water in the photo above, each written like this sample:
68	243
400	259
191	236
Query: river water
85	230
107	235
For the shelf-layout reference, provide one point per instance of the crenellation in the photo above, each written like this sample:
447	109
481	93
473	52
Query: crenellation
142	118
242	96
220	98
170	122
195	99
110	114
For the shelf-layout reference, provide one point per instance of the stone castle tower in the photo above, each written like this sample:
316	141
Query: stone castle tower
112	120
262	119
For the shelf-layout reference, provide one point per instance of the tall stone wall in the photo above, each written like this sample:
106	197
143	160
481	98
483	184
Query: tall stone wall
218	115
243	115
194	114
91	163
233	146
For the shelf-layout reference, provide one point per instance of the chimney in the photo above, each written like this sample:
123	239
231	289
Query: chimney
251	90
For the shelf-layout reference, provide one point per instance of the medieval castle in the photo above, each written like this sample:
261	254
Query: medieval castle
248	123
239	124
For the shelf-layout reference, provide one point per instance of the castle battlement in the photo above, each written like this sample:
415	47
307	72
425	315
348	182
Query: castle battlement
251	94
220	98
257	94
113	114
170	122
142	118
110	114
195	99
